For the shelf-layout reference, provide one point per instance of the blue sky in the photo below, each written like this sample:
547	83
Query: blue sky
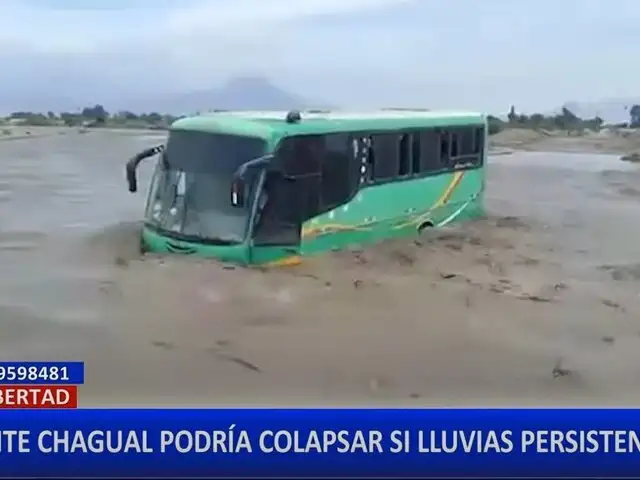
474	54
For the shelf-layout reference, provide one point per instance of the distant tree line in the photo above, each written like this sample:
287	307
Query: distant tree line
94	116
634	115
565	120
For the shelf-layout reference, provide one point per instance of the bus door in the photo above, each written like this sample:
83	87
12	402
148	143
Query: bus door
289	196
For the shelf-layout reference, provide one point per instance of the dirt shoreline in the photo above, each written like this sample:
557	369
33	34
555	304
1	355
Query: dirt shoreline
15	132
618	142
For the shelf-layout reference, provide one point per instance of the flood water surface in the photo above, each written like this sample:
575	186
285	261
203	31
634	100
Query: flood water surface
538	304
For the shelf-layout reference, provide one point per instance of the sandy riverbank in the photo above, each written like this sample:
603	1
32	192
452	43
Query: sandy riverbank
12	132
619	142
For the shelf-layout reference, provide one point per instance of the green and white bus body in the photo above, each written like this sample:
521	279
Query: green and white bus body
259	188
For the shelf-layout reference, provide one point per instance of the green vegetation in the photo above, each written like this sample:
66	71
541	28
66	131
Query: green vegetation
634	113
632	157
95	116
566	120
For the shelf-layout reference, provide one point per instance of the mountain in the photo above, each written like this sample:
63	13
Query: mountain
31	92
240	93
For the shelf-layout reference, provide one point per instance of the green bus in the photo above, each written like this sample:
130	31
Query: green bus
267	188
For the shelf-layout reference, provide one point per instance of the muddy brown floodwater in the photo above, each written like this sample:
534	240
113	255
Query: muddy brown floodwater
538	304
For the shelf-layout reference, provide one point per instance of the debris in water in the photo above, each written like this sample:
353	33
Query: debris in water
560	371
121	261
162	344
610	304
358	255
403	258
622	273
534	298
357	283
242	362
510	222
359	258
608	339
448	276
527	261
306	275
227	357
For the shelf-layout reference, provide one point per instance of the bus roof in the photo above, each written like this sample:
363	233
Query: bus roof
269	124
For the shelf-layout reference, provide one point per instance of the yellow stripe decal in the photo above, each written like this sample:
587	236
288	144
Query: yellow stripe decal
444	198
290	261
313	231
446	195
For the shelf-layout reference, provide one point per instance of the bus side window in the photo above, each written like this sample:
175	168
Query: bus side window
467	141
405	150
338	168
431	158
415	153
454	139
386	156
300	155
471	145
478	144
445	145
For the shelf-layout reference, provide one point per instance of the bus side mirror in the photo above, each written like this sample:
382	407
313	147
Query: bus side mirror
238	192
131	175
132	165
238	184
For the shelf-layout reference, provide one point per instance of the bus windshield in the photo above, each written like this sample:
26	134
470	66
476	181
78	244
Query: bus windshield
189	194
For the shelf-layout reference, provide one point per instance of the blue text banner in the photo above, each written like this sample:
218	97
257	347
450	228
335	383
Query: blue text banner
320	443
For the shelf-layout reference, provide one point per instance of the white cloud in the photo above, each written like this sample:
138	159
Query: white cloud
468	52
241	17
84	30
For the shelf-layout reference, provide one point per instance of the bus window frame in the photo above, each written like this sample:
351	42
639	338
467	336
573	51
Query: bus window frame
353	169
473	161
459	164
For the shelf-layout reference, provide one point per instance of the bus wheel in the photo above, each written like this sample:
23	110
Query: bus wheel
423	226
